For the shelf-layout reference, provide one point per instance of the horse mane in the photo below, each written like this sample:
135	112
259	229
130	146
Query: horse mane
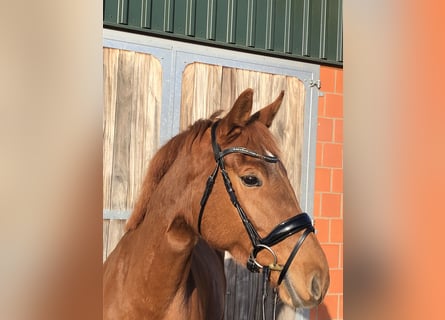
161	163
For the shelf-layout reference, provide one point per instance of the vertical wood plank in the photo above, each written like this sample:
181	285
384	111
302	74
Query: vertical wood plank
227	88
209	80
145	120
136	133
152	111
201	92
187	94
111	57
119	184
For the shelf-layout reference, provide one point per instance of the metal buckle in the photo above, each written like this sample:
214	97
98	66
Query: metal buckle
255	266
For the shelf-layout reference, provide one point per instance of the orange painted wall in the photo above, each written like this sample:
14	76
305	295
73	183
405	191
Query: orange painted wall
328	198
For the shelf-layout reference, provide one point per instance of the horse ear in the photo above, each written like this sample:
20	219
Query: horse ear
267	114
239	115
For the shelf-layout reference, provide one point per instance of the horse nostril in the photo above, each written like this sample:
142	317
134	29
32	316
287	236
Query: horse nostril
315	287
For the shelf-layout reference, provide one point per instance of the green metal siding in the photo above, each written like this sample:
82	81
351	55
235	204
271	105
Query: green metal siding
309	30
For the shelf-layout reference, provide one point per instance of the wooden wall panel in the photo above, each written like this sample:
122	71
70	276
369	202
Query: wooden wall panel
132	102
207	88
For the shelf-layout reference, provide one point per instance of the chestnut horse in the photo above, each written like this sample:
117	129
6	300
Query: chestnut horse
169	263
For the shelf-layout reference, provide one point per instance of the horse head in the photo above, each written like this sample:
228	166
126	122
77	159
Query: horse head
249	207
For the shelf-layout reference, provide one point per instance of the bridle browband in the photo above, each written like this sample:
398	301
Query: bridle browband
282	231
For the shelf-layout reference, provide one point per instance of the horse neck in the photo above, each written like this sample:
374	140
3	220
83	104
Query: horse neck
164	256
158	252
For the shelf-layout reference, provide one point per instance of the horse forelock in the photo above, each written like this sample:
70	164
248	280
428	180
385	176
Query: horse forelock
161	163
258	137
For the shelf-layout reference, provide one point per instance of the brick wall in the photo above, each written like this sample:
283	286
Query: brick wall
328	206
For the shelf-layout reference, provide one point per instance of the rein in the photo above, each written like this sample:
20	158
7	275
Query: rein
282	231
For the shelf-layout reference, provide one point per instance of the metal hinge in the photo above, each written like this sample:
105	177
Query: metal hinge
314	83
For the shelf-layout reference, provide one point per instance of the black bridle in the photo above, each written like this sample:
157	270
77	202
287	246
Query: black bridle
282	231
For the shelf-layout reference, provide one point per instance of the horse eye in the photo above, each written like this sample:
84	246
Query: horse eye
251	181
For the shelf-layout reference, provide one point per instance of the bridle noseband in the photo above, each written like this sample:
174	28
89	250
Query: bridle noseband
282	231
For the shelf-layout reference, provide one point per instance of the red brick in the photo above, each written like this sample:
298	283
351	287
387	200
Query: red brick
338	130
331	205
317	204
337	180
336	231
332	252
339	81
327	78
336	284
325	129
322	226
334	106
332	155
319	154
322	180
321	106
